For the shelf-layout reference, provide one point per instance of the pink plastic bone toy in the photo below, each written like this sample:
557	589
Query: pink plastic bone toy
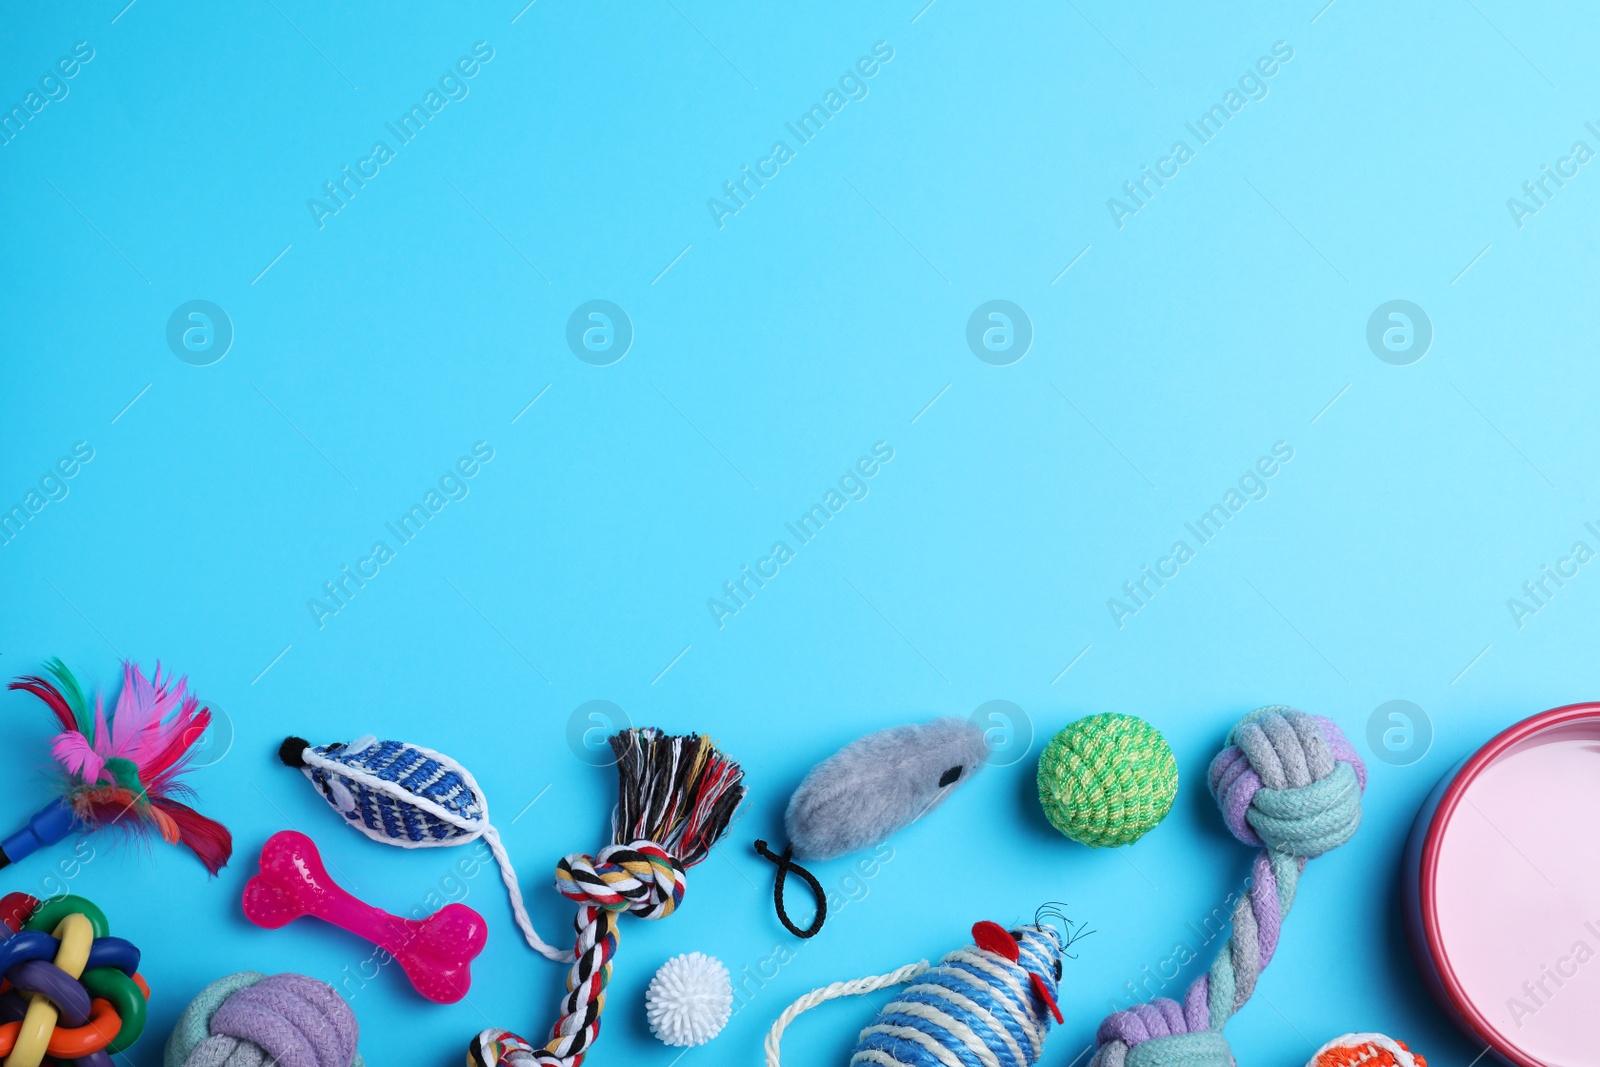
436	953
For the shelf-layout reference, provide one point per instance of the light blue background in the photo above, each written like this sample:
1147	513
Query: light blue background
1227	315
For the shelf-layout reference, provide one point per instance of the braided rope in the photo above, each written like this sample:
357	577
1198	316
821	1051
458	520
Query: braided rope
1291	784
853	988
638	878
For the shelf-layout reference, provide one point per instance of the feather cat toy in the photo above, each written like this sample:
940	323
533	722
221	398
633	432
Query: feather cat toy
122	769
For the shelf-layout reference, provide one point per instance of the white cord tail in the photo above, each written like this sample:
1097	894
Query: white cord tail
508	875
852	988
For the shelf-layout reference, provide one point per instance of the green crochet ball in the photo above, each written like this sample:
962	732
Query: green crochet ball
1107	780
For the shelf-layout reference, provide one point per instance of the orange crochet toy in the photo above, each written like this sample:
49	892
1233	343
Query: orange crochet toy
1366	1050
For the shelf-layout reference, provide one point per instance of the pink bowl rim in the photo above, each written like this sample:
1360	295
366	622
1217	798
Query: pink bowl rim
1496	747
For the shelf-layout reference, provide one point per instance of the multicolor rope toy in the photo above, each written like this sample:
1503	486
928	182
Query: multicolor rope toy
73	993
987	1005
1287	782
676	796
406	795
122	770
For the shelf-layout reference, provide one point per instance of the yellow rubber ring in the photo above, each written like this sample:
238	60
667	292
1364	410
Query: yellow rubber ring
77	936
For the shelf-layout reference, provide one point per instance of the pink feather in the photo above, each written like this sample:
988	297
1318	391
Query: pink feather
165	764
138	731
102	732
72	750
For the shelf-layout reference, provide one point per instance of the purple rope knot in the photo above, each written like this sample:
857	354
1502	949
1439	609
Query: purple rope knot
245	1020
1289	781
1161	1017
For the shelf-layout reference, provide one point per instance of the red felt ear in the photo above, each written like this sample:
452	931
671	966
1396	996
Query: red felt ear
1044	995
992	937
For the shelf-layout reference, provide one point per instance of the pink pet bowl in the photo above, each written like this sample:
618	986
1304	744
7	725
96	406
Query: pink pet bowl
1502	891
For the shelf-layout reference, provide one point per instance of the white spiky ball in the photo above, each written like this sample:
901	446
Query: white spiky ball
689	1000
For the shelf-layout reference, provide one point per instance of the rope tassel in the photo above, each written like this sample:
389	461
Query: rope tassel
676	797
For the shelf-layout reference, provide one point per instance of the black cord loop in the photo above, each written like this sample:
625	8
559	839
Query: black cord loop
785	864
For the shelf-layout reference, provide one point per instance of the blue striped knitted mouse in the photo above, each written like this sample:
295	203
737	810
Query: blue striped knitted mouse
410	796
989	1003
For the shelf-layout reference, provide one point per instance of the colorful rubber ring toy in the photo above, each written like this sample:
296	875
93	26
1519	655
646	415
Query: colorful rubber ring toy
72	993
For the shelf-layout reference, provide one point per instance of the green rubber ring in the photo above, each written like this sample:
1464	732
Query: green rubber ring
51	912
125	996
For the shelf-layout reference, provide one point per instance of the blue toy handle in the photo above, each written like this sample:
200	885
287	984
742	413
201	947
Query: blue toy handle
49	825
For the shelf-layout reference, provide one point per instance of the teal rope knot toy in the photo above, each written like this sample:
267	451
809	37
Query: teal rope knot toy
1290	783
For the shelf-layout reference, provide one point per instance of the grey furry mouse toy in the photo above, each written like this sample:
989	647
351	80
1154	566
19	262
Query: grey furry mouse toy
867	791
